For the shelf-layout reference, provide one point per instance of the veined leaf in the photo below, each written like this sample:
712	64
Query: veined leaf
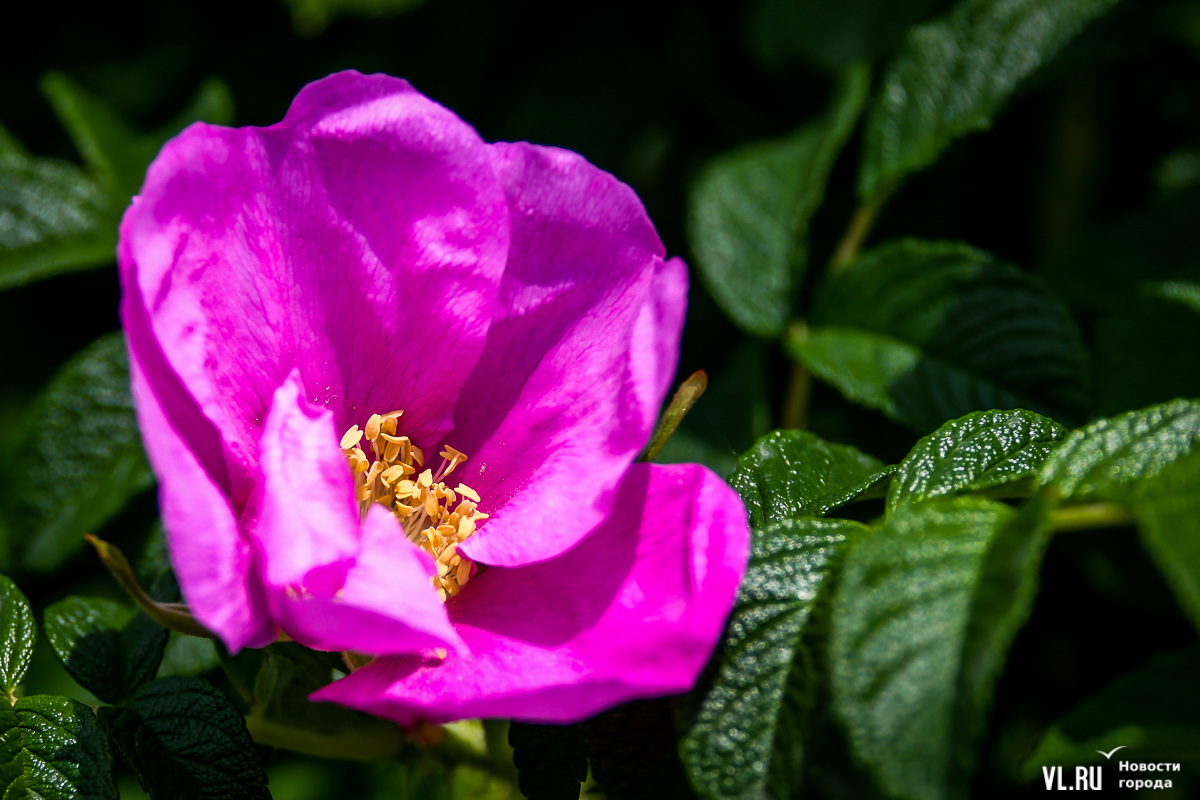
82	460
52	749
185	740
1152	713
791	474
53	218
930	331
1108	459
928	604
983	450
746	721
18	635
955	74
750	209
111	650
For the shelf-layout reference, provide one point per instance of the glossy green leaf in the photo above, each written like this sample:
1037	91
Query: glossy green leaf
748	728
981	451
111	650
551	760
52	749
1110	458
954	75
18	635
82	460
929	331
1151	714
750	208
927	606
1167	510
791	474
1186	293
185	740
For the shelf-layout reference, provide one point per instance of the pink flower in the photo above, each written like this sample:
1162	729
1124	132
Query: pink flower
371	254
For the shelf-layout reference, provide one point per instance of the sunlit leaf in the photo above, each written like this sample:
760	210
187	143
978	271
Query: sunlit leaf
790	474
750	725
927	606
983	450
52	749
750	209
18	634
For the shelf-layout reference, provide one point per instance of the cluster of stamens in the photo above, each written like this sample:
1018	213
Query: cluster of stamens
434	516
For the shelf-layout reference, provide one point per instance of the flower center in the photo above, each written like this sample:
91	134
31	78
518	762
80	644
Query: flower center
434	516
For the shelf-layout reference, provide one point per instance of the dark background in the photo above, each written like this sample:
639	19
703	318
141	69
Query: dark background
650	91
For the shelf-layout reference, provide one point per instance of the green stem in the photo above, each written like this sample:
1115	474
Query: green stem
859	227
799	390
1093	515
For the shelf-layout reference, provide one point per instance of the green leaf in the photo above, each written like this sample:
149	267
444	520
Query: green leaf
105	646
1167	510
748	726
282	715
53	218
983	450
929	331
188	655
186	742
1153	713
117	154
955	74
82	460
551	760
52	749
1186	293
790	474
749	212
18	635
1110	458
926	610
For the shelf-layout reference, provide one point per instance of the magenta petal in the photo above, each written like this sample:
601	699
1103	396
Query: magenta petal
361	241
386	606
332	588
634	610
212	560
308	517
577	360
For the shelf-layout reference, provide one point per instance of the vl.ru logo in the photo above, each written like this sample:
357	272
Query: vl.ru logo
1086	778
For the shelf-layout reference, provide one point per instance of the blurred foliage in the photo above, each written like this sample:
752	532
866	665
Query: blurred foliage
866	261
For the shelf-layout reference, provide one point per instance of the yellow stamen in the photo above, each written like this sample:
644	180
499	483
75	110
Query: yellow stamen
352	437
433	516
